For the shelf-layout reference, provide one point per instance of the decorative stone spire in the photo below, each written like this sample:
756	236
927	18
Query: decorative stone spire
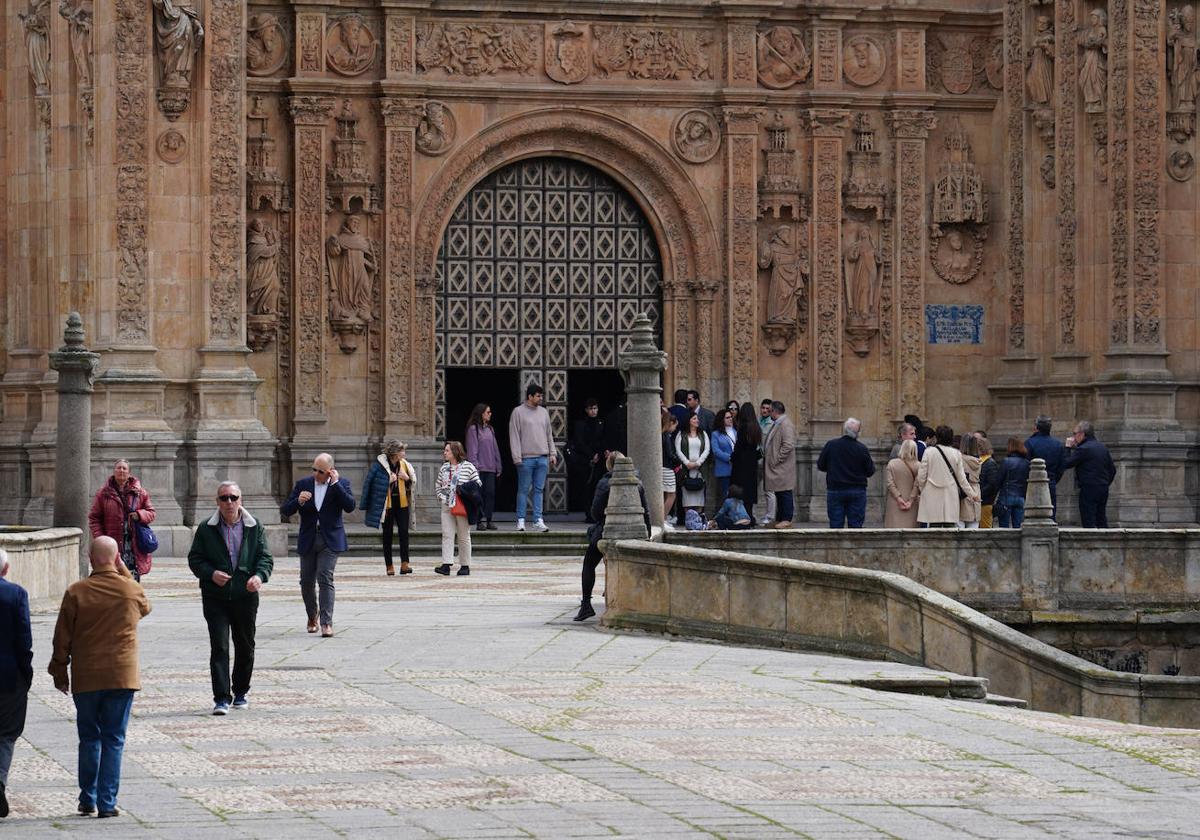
1038	509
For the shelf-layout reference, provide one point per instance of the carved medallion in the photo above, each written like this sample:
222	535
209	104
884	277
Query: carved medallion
696	136
171	146
863	61
349	46
266	45
782	59
1181	166
957	66
957	253
568	52
994	66
435	132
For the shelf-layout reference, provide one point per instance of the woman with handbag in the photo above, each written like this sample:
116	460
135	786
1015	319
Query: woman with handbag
692	448
387	500
941	482
671	466
484	453
120	509
724	438
457	481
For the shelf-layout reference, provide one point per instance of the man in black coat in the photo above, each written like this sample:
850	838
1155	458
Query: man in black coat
16	671
592	556
1094	472
1050	449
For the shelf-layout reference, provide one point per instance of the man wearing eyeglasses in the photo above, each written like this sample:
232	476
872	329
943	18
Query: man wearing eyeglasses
229	555
320	501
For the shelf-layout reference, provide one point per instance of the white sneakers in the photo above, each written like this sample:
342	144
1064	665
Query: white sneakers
541	526
520	524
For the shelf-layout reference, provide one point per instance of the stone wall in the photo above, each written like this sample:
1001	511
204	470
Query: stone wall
44	561
762	600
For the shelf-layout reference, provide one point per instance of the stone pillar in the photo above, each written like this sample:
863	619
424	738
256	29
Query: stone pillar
642	366
623	518
72	482
741	220
1039	544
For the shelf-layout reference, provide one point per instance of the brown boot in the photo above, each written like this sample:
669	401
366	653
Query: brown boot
391	570
405	569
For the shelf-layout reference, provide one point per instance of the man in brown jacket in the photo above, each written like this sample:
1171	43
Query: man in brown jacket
96	636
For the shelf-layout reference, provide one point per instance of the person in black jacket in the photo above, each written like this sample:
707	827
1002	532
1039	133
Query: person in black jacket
16	671
847	465
586	458
592	557
747	452
1050	449
1094	472
989	474
1012	481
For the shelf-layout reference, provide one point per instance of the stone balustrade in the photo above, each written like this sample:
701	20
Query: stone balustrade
43	560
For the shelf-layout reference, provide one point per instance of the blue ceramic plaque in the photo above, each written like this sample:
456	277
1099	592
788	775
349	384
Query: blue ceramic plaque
954	323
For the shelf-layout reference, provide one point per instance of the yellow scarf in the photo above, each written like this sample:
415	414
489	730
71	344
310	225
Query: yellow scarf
401	488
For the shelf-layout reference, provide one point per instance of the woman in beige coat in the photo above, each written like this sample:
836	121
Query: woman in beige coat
900	509
970	508
938	481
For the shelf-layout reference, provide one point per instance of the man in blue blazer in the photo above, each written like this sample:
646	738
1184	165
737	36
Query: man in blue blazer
320	501
16	671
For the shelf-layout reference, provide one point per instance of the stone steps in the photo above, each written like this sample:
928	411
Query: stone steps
366	542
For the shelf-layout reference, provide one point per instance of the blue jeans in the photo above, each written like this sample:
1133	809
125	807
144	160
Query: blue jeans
1010	513
101	719
846	506
531	474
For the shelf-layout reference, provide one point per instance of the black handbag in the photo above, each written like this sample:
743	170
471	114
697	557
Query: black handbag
962	494
693	484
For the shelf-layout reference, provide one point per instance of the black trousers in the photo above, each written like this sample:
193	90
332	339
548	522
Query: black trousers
1093	506
591	559
488	481
226	618
396	519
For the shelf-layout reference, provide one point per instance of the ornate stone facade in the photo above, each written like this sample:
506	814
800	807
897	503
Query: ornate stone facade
299	218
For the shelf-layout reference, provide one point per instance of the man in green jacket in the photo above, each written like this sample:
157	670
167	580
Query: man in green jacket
229	555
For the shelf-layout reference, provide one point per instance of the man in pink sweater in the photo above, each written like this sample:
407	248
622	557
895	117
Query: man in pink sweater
532	445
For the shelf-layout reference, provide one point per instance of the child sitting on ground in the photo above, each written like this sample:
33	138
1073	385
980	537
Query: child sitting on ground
732	516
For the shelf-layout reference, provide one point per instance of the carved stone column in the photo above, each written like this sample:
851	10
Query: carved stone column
309	114
401	118
741	215
826	127
910	130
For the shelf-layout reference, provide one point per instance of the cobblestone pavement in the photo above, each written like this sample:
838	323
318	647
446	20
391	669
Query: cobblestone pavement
475	708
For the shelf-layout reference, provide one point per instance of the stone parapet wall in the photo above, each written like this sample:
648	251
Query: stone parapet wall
44	560
778	602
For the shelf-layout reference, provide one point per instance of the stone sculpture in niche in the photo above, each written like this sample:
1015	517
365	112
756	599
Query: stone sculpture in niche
959	208
435	132
179	35
864	61
1039	76
788	265
262	284
1182	75
37	41
476	49
696	136
266	45
78	14
350	46
782	59
1093	75
352	267
568	52
651	53
860	272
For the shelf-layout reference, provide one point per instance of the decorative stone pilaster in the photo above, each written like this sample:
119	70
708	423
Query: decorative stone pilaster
76	367
309	114
705	292
1066	224
642	366
310	43
1014	162
740	54
910	129
401	118
826	127
399	47
741	214
827	56
423	356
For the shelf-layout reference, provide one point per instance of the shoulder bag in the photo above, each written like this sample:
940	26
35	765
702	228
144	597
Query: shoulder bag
962	494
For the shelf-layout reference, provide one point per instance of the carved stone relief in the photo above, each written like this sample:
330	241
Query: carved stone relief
568	52
960	212
350	46
860	276
1149	163
310	42
741	43
864	60
477	49
779	194
436	130
265	187
957	69
226	202
399	44
1014	164
37	42
352	264
1182	75
266	45
784	254
865	188
1039	85
783	60
1118	145
171	146
349	177
262	284
962	63
132	161
1093	75
658	54
696	136
1066	156
179	37
78	14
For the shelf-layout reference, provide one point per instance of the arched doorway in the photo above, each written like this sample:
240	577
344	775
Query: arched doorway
542	269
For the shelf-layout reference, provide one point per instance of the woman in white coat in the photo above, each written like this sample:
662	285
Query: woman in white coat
939	480
692	447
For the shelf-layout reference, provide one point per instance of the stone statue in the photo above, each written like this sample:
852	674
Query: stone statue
862	271
1181	65
37	39
789	275
1093	75
352	268
78	14
435	132
1039	78
353	50
959	258
262	269
179	38
782	59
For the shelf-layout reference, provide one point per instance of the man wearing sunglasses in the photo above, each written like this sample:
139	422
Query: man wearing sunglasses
229	555
320	501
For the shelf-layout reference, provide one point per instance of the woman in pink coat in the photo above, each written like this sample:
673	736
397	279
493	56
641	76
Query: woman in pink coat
122	499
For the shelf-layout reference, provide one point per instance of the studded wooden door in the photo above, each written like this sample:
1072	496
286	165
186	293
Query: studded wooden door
543	268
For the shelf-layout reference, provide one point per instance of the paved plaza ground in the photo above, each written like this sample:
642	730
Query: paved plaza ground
475	708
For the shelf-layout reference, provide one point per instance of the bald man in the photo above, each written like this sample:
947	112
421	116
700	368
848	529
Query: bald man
96	637
16	671
320	500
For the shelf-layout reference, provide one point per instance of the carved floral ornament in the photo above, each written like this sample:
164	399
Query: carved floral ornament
696	136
